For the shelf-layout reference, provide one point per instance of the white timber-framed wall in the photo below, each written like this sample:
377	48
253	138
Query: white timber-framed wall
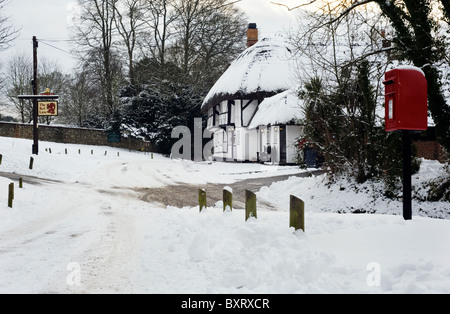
229	122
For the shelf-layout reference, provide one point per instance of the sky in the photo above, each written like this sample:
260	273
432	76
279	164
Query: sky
48	20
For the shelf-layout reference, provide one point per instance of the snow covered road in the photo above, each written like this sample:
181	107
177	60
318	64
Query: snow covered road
82	227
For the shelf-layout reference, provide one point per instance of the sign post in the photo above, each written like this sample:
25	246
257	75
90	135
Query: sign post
406	110
49	108
53	111
35	105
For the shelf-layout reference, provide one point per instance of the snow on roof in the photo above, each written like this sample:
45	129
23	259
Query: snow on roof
279	109
264	68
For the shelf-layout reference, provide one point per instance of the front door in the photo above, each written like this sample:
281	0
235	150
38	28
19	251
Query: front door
283	148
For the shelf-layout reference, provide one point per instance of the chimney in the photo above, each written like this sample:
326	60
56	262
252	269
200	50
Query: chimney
252	34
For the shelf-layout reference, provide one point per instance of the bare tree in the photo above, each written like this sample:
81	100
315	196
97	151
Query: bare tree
79	100
205	30
95	32
159	19
18	77
222	37
52	77
190	12
129	22
191	41
7	32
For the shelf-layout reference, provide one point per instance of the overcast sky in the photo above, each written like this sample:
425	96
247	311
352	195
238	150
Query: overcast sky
48	20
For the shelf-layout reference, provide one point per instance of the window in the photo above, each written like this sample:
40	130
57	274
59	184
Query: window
223	115
210	117
275	135
216	115
248	111
231	112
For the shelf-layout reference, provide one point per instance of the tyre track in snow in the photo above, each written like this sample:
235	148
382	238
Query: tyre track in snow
89	226
182	195
99	230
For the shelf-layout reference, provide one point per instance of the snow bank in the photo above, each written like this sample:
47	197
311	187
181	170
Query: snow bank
217	252
346	197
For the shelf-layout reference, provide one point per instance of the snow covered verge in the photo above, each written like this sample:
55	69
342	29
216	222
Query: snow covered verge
80	227
348	197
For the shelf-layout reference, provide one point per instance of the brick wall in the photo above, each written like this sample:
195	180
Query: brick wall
431	150
69	135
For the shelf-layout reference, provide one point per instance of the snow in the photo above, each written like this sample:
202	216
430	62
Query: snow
279	109
410	68
264	67
79	226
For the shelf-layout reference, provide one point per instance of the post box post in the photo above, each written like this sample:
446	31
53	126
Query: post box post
407	204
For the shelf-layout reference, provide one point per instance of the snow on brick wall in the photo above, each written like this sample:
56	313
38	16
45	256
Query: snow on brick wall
70	135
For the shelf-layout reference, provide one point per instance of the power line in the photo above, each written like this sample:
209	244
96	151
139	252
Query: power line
47	44
55	40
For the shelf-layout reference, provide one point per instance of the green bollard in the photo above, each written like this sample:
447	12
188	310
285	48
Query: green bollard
10	195
250	205
227	199
297	213
201	199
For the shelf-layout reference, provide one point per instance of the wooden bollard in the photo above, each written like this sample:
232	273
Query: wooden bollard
20	183
201	199
31	163
65	150
1	158
297	213
227	199
10	195
250	205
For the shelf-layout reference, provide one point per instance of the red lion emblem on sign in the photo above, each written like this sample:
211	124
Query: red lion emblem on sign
51	108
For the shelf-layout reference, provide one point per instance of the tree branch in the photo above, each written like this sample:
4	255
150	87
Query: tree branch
225	4
296	7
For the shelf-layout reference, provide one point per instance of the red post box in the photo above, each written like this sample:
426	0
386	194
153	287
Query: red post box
406	99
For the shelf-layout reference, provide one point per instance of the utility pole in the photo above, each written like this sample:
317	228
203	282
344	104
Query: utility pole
35	101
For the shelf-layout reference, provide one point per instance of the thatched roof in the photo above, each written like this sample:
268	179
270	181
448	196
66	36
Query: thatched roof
260	71
282	108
